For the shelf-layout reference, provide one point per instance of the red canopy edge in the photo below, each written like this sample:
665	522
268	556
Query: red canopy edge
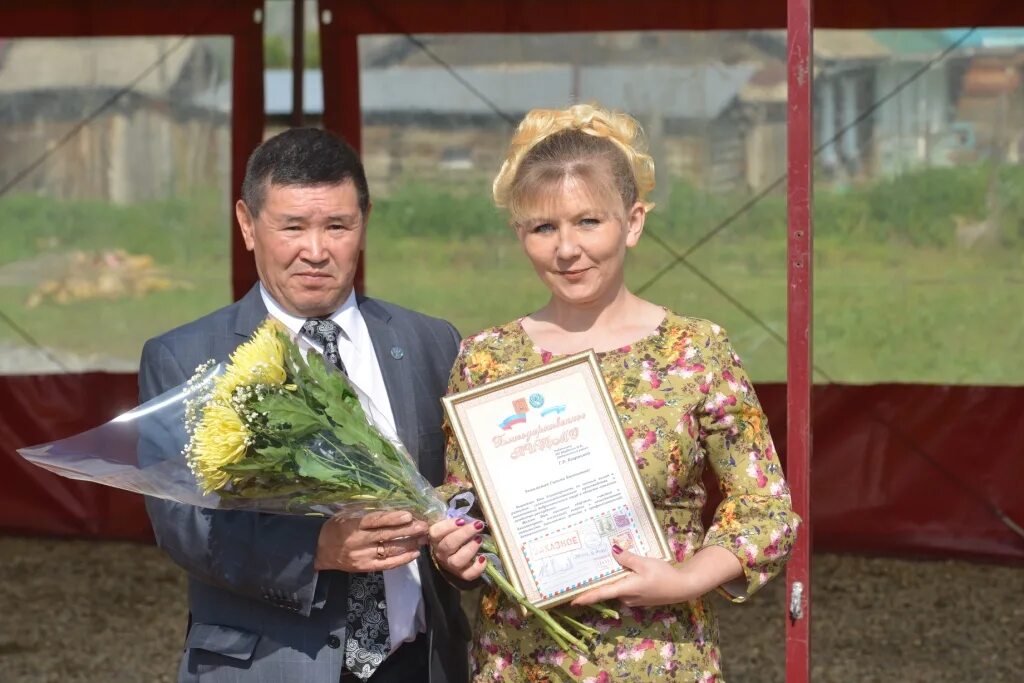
869	491
541	16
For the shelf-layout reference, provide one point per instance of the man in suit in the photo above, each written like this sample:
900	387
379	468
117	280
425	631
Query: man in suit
279	598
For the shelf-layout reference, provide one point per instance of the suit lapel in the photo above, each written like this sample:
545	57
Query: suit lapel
397	373
251	312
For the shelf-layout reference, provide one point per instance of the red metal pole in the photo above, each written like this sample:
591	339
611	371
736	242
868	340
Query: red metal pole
298	61
800	130
246	133
339	59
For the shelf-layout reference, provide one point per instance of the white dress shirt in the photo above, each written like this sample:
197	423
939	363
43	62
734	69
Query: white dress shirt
402	588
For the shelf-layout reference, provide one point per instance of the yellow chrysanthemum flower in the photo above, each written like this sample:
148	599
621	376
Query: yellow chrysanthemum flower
258	361
219	440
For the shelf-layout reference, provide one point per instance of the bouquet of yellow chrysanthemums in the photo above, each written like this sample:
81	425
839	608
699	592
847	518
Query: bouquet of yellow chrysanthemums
275	425
272	430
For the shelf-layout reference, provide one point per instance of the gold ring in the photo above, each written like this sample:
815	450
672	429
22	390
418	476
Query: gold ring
381	553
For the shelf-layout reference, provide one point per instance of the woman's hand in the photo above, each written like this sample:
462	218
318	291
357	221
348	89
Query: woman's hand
653	582
455	543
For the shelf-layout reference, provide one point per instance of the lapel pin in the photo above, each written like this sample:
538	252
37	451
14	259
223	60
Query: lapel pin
397	352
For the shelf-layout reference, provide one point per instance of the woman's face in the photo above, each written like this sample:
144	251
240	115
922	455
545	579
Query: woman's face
576	240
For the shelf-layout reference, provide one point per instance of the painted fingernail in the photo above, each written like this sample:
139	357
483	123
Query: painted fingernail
481	559
478	539
616	549
478	525
460	521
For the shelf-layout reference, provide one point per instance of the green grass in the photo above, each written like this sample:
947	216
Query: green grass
185	236
113	328
182	231
894	300
881	314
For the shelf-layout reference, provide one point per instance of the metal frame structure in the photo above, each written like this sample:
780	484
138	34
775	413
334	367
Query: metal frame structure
343	21
799	314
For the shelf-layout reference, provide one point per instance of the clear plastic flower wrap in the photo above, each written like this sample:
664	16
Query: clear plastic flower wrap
269	431
274	431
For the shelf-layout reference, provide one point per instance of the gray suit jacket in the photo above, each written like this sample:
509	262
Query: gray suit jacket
258	610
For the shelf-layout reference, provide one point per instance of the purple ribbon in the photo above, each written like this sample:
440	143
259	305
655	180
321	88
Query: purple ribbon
458	508
460	505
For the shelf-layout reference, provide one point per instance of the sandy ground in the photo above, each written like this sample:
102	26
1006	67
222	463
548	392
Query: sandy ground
75	611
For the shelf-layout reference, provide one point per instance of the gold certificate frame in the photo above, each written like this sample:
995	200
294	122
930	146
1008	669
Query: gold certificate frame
556	477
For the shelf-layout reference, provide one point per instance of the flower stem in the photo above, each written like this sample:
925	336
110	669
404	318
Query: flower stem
554	629
605	611
583	629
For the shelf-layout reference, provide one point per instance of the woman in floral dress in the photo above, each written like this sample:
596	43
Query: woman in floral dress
575	183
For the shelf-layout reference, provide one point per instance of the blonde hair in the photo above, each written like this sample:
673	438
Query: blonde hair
554	144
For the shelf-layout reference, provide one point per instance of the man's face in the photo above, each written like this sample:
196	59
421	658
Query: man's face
306	242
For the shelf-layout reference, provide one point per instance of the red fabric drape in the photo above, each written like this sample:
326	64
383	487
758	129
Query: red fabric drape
41	408
871	489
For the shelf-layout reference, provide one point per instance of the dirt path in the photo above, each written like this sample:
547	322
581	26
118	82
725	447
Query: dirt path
73	611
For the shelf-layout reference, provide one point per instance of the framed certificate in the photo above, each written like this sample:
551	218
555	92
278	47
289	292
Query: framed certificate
556	478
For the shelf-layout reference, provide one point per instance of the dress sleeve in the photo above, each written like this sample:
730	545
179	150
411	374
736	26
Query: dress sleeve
755	520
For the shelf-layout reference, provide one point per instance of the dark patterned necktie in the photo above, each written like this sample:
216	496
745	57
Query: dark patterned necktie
369	637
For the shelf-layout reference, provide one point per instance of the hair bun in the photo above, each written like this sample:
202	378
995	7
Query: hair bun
538	124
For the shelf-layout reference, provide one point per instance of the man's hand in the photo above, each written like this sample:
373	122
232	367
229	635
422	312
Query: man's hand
374	542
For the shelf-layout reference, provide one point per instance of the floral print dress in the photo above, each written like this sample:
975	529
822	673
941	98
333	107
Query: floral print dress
685	403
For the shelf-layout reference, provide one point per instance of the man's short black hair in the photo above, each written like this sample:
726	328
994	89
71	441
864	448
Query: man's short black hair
302	157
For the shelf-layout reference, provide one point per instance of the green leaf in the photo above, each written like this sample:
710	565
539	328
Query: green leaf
249	465
328	392
290	413
332	388
265	461
295	366
270	453
350	429
314	468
